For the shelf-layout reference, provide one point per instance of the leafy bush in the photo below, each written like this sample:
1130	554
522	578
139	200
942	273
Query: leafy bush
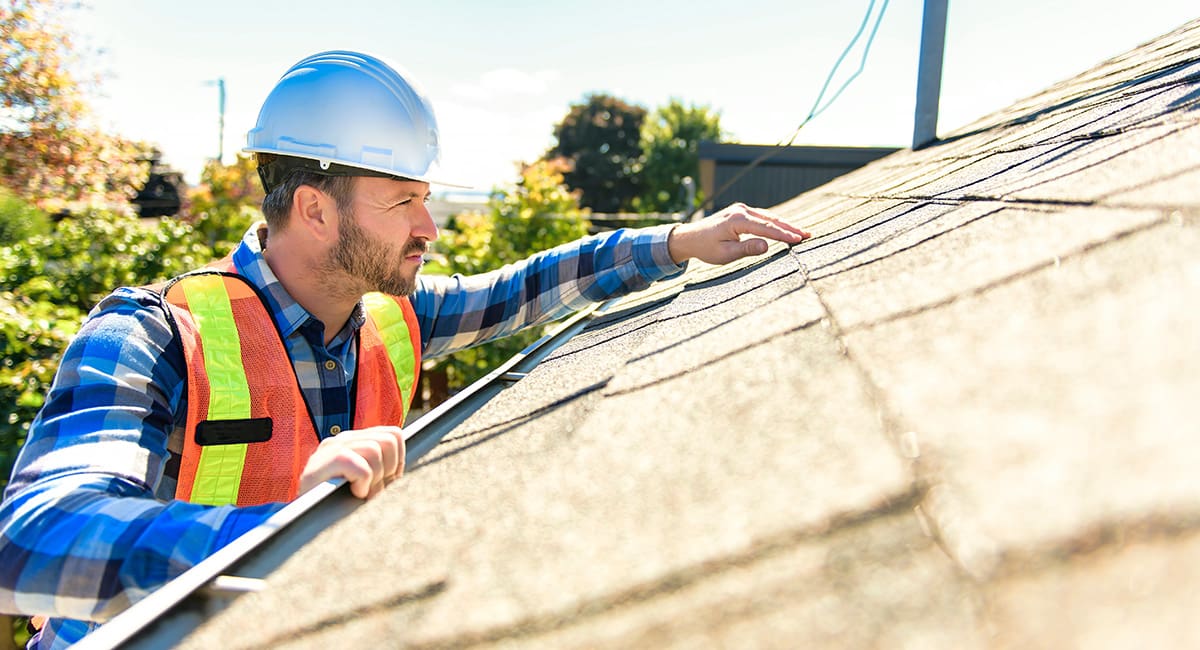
19	220
85	257
219	228
536	214
55	159
33	335
51	279
225	203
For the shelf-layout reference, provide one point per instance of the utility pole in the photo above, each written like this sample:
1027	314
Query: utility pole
929	72
220	84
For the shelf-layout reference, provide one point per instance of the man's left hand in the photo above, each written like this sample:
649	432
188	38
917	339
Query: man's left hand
718	239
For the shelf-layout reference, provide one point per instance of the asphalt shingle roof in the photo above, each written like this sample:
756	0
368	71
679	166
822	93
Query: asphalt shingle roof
960	416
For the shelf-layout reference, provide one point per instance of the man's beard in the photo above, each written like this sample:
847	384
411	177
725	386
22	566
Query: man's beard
369	263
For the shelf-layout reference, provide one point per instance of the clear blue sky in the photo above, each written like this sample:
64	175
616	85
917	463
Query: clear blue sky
501	74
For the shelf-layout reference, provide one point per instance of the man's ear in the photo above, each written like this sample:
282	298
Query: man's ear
315	212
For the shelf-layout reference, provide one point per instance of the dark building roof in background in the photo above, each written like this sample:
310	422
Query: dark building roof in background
766	175
960	416
852	157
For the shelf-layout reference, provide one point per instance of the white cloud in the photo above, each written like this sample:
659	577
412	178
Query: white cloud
503	117
482	144
507	82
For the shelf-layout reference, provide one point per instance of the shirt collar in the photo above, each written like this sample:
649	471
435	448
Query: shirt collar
289	315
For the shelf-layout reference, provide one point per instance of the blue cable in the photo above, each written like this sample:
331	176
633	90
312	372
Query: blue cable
817	108
861	65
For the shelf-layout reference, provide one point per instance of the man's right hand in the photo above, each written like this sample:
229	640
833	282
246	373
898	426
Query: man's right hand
367	458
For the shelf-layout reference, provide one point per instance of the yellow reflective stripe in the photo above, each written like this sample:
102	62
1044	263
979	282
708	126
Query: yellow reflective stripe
393	330
219	473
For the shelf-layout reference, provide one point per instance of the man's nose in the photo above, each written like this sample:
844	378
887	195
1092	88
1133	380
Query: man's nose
424	226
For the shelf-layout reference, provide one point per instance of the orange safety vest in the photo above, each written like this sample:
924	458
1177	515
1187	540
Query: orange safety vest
249	431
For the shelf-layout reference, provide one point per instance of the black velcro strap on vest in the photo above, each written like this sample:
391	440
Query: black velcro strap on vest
233	432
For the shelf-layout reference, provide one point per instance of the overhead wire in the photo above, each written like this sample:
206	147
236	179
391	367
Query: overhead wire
817	107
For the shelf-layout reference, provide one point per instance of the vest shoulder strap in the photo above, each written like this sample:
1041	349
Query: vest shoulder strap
249	430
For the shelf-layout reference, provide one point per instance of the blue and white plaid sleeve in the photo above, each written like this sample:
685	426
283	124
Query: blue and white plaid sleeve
460	311
81	533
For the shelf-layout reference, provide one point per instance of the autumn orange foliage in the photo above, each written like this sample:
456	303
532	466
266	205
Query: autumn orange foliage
53	156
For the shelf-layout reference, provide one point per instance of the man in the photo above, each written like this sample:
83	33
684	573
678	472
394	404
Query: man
185	414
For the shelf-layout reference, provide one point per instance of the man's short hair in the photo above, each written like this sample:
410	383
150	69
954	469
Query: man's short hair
277	204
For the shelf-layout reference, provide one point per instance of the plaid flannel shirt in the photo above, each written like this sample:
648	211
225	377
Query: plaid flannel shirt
89	525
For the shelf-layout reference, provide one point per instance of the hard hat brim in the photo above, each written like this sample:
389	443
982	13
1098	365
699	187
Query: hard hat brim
274	173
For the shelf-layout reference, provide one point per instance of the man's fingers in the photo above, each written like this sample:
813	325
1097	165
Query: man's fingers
338	463
391	447
367	458
357	471
361	463
382	444
754	246
395	451
371	451
786	230
733	250
763	223
718	239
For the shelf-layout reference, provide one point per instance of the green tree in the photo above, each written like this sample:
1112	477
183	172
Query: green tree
53	156
670	142
227	201
537	214
600	138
